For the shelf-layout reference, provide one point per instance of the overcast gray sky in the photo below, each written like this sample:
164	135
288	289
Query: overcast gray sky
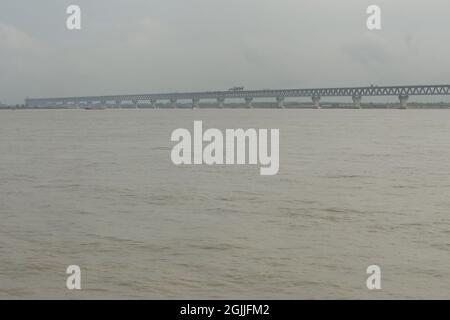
146	46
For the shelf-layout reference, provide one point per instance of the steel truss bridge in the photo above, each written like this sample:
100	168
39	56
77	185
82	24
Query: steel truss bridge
402	92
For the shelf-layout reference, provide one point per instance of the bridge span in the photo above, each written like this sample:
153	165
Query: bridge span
356	93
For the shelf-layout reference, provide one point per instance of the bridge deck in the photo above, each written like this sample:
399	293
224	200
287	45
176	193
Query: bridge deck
426	90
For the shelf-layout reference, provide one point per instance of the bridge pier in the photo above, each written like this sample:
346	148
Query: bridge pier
221	102
403	101
173	103
280	102
118	104
153	103
135	103
357	102
248	102
195	103
316	102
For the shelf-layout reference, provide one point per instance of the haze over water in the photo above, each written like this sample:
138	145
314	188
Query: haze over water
98	189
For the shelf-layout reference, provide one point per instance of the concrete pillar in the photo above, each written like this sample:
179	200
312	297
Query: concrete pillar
403	101
357	102
195	103
221	102
118	104
316	102
153	103
173	103
135	103
280	102
103	104
248	102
